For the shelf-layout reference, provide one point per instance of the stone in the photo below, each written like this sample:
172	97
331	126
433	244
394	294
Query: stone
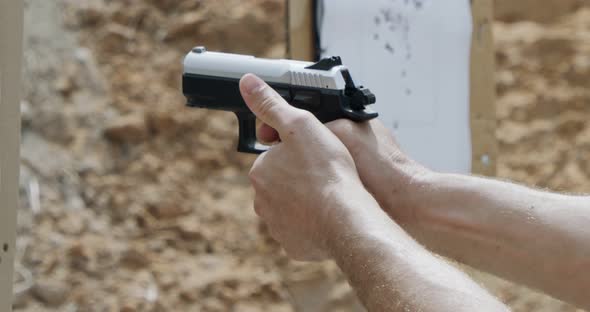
186	24
135	258
52	293
162	204
190	229
167	210
72	224
64	85
127	129
117	37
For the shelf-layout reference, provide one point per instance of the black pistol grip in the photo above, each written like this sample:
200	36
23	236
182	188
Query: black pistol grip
247	142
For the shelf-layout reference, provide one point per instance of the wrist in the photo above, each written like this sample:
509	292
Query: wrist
451	209
354	215
406	190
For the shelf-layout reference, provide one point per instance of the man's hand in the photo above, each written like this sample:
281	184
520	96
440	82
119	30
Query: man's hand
394	179
298	180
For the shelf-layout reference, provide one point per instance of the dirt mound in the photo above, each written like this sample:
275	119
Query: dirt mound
140	204
544	102
543	74
546	11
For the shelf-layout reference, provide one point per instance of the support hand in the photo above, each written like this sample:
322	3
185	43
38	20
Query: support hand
299	180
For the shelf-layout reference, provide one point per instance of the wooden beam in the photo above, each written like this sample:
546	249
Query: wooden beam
301	42
11	27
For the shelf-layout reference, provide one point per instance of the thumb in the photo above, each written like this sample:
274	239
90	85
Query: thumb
266	103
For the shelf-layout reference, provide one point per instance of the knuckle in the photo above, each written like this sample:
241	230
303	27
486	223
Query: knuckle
302	117
305	115
254	178
341	126
255	172
267	105
252	173
259	91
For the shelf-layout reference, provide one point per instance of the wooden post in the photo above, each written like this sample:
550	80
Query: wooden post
11	27
483	90
301	45
483	109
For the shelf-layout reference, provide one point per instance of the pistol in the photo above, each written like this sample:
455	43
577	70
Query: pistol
326	89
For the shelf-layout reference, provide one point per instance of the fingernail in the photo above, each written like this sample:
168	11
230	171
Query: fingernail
252	84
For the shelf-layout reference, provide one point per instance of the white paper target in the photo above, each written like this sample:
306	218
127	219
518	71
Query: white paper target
414	55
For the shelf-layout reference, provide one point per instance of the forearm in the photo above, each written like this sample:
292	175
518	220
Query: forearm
536	238
391	272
